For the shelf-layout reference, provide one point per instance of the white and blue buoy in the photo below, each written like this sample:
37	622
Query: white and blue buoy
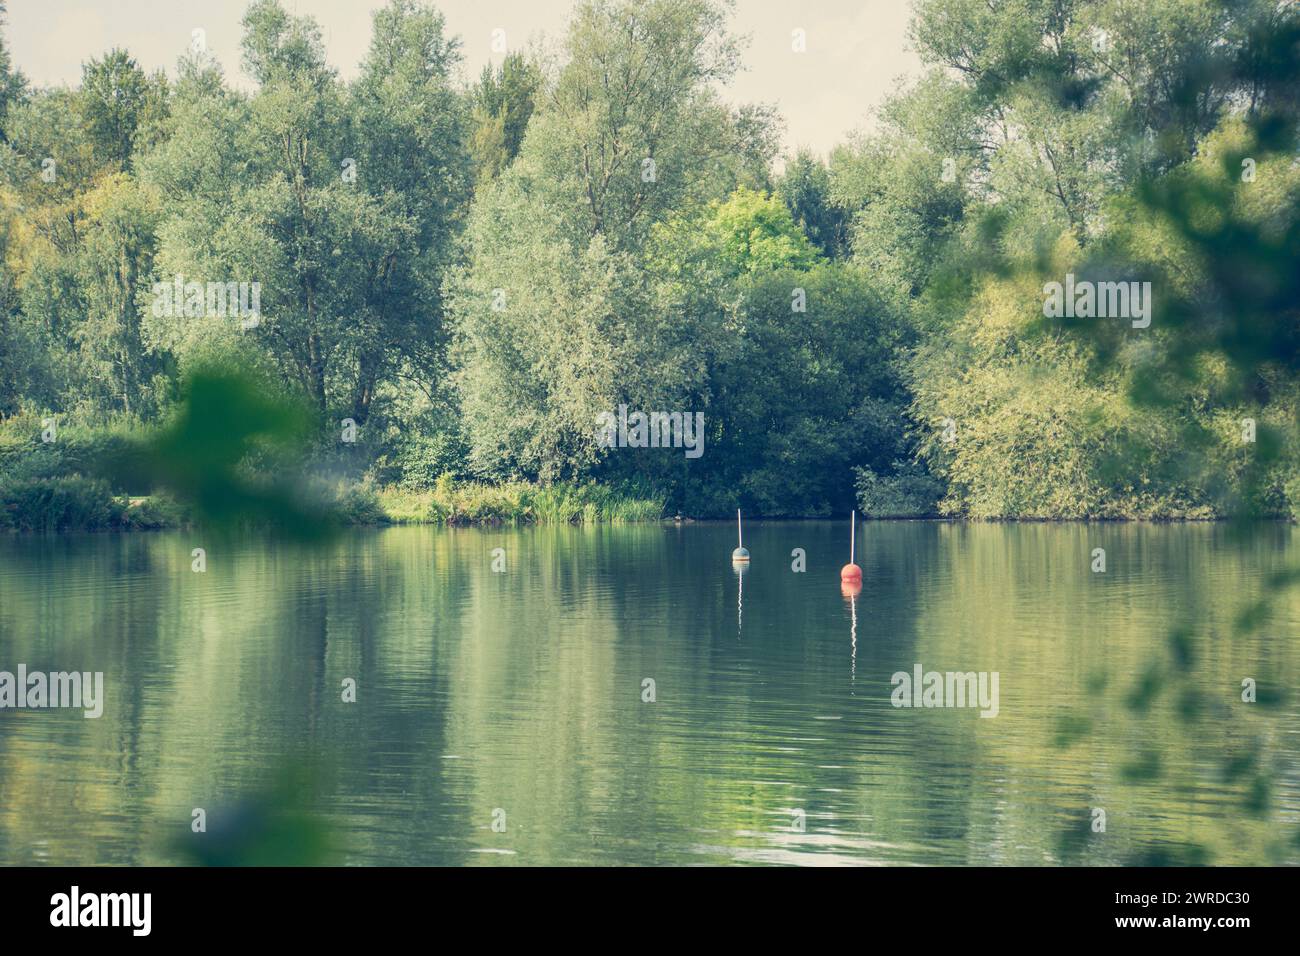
740	555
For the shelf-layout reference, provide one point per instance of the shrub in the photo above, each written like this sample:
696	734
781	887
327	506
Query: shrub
359	504
910	493
154	513
74	503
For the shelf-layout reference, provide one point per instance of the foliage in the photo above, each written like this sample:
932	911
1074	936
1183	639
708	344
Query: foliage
504	101
805	187
1107	142
558	314
514	502
73	503
801	393
909	493
466	277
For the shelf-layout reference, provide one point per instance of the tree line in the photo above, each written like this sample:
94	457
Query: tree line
470	275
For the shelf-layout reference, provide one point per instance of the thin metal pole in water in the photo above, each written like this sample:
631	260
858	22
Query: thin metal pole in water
740	541
853	518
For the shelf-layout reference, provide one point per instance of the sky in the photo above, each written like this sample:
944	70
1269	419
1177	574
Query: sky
856	54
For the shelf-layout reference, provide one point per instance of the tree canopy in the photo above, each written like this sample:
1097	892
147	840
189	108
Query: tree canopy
472	274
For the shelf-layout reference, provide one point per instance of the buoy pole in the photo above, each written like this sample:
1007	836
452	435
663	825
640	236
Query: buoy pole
740	555
851	574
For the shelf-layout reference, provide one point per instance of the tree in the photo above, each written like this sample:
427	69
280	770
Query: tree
905	189
341	203
409	136
51	164
22	360
560	313
633	128
805	188
117	102
802	397
12	83
754	233
504	100
1086	149
117	372
80	305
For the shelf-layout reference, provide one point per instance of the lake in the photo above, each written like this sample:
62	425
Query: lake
506	717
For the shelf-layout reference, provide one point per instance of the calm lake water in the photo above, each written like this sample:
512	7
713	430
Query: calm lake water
517	697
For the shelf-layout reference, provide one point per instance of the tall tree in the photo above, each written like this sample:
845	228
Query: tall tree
12	83
558	315
805	188
1080	137
342	203
117	100
504	100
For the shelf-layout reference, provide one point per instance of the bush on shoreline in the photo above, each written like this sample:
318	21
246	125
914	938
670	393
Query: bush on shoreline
73	503
79	503
515	502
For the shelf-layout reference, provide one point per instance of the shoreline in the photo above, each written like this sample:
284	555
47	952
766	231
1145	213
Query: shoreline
174	522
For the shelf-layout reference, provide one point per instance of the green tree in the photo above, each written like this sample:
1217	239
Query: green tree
1025	156
904	189
409	136
116	369
802	397
82	304
12	83
805	187
752	233
561	312
341	202
634	128
51	164
23	357
118	101
504	100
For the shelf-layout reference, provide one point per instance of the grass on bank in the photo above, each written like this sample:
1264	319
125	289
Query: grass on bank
80	503
54	486
69	484
513	502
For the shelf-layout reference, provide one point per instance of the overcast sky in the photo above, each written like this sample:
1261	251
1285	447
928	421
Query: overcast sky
857	50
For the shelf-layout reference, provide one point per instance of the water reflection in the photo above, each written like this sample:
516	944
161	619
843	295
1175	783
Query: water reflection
851	591
740	570
521	691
